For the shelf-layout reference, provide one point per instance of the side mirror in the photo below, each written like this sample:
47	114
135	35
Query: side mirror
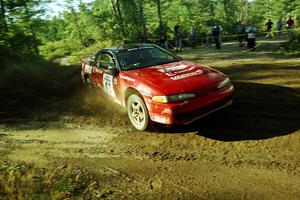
91	60
112	71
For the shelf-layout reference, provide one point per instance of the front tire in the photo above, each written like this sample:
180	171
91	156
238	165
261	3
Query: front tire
137	112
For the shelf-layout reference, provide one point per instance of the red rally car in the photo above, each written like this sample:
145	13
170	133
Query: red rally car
156	85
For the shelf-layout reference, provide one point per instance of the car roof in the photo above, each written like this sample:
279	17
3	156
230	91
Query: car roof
127	46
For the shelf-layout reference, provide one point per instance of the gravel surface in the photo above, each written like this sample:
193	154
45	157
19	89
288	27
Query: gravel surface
247	151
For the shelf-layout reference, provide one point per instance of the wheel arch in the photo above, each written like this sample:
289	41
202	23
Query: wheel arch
135	94
129	91
85	77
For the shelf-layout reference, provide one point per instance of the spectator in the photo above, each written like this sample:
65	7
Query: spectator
216	32
208	37
178	38
289	25
279	26
141	37
240	30
247	26
193	37
220	38
269	25
251	30
163	39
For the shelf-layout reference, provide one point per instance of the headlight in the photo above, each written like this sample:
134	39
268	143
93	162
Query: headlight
173	98
224	83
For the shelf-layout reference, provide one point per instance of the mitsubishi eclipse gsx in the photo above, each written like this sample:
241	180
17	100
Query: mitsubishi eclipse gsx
155	85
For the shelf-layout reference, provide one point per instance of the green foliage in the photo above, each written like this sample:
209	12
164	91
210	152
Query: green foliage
60	48
20	21
77	56
81	26
25	181
262	10
293	44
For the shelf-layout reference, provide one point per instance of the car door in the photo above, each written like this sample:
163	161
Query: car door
106	80
88	68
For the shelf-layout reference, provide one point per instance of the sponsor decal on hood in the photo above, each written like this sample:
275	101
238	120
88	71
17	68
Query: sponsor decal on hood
181	76
181	71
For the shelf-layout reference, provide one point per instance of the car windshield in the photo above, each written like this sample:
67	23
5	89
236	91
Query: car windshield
146	56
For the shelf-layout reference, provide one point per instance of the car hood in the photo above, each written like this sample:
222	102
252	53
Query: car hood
179	77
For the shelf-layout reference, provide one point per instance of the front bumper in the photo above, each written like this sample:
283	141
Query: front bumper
188	117
192	109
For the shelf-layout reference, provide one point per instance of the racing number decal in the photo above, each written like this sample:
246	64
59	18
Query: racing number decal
108	84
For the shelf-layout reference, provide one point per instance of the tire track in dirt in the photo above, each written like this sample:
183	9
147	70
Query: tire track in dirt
250	151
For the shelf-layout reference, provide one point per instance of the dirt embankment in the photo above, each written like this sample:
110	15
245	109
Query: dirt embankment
248	151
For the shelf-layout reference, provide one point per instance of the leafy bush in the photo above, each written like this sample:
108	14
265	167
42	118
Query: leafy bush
61	48
25	181
72	48
77	56
294	42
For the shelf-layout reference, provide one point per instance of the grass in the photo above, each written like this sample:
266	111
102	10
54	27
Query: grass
25	181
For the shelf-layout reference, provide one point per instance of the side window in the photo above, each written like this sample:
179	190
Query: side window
105	61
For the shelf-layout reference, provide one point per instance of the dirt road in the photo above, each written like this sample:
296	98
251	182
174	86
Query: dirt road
248	151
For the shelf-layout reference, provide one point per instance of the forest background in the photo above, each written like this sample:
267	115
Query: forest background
27	29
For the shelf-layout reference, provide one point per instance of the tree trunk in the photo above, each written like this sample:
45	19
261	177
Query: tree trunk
135	17
142	17
225	4
76	23
159	15
80	35
3	18
3	27
33	35
244	11
116	7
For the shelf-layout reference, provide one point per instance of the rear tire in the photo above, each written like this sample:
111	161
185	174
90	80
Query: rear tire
137	112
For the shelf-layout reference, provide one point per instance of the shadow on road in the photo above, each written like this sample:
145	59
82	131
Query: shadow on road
260	111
